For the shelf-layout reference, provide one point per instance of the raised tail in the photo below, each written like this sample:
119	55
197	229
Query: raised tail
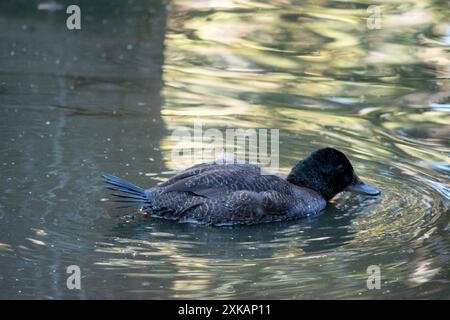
125	192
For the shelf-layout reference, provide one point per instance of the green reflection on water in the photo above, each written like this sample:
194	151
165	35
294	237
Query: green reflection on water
315	71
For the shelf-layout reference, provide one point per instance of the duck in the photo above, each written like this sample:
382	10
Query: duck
221	194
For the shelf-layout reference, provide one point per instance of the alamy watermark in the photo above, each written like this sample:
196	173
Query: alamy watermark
73	21
374	20
232	145
374	279
74	280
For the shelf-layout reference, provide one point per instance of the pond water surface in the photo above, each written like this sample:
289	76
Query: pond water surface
107	98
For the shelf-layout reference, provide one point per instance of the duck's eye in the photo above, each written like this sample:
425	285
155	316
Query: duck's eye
340	168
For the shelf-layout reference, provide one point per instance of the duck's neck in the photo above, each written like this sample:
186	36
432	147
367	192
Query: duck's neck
306	176
297	177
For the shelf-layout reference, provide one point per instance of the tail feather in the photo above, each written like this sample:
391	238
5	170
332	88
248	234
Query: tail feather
121	183
128	197
125	192
128	201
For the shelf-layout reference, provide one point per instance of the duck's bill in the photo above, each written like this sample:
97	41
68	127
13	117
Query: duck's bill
360	187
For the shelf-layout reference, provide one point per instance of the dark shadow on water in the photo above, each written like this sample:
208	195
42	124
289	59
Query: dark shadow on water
73	103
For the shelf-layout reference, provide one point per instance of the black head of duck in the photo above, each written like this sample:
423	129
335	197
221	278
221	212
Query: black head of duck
329	172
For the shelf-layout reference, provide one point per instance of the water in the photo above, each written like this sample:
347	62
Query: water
107	98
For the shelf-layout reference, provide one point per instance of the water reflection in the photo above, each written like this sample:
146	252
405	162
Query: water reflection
107	99
315	234
190	258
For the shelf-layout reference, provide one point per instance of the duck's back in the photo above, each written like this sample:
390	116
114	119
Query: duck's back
212	179
230	194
